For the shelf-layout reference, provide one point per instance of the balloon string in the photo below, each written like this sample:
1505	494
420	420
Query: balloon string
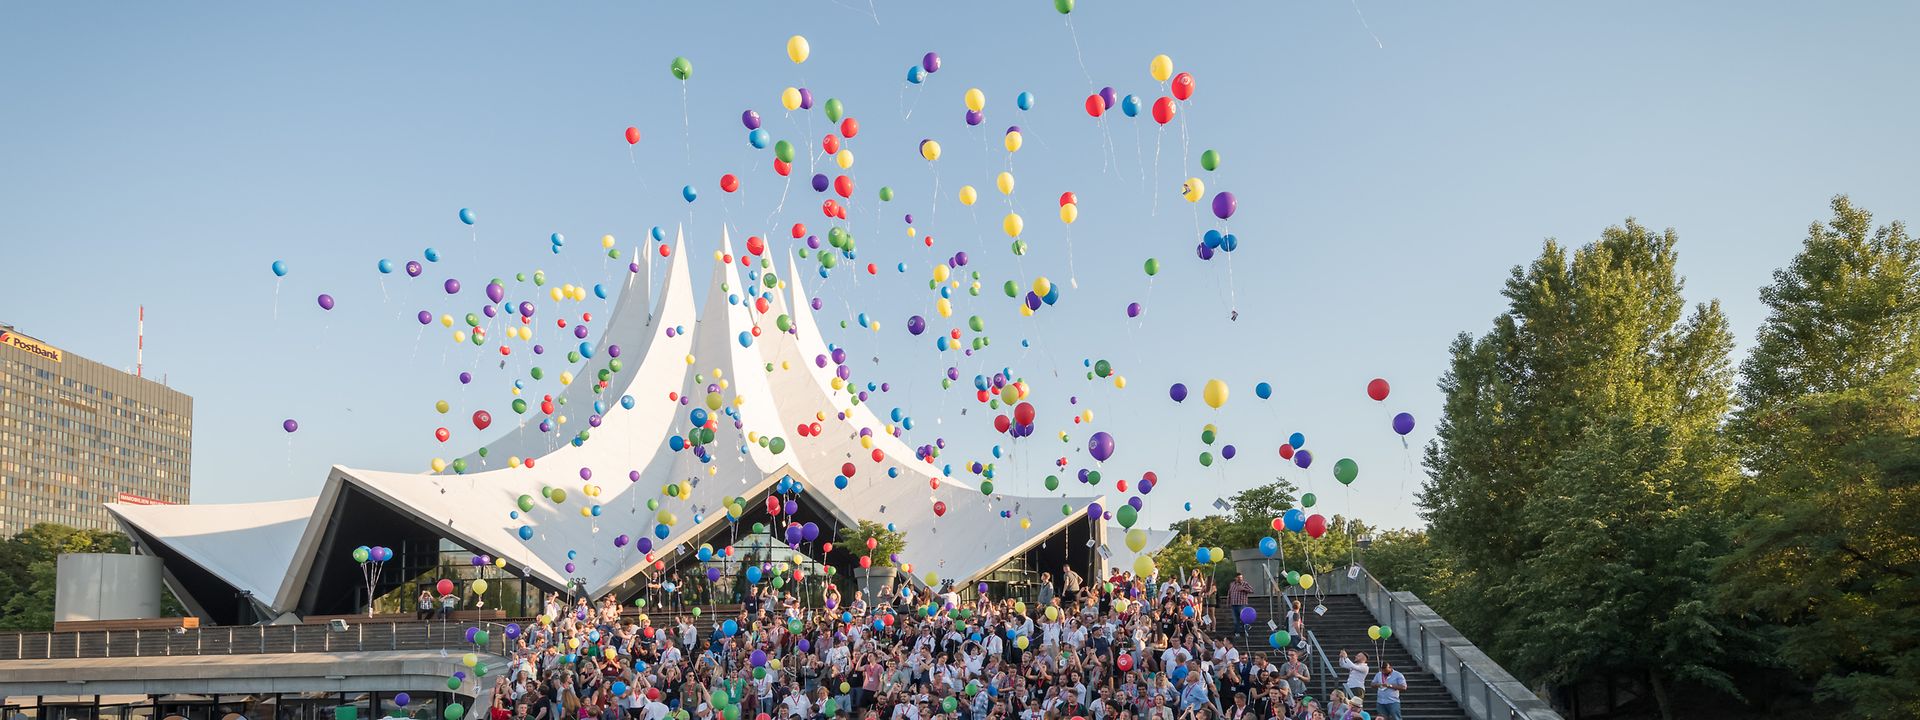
1363	24
1075	34
685	142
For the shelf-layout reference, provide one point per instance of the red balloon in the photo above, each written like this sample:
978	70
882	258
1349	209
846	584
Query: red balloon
799	231
1377	389
1183	86
866	562
1286	451
481	419
849	127
1124	662
782	167
729	183
1120	485
847	469
830	143
1001	423
1068	198
1150	477
1023	413
445	586
1279	524
939	508
843	185
826	547
872	543
633	136
1163	110
877	455
773	505
664	250
1095	106
756	246
1316	525
441	434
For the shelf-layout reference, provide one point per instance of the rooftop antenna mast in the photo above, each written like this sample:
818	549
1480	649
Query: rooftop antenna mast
140	347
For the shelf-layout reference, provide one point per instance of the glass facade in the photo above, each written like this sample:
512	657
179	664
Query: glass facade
260	706
76	434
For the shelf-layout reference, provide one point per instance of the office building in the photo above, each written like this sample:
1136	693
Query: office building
76	434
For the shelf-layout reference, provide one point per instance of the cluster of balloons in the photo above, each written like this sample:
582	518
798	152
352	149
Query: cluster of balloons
365	554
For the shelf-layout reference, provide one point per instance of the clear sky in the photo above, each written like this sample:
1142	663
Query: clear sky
166	154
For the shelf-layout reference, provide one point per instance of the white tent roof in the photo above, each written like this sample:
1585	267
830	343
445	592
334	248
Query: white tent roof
249	545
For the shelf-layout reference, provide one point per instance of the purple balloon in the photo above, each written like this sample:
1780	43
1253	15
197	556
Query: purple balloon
1136	503
489	311
1094	510
1246	616
401	699
791	507
1205	253
820	182
620	541
1302	458
613	351
1108	96
414	268
644	544
806	99
1100	446
465	378
1178	392
326	301
1223	205
426	318
974	117
1228	452
569	567
713	574
289	425
1133	310
496	292
809	532
750	119
1403	423
930	62
916	325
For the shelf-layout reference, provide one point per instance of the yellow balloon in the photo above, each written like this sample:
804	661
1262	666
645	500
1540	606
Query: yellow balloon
1019	607
945	307
438	464
1120	382
500	562
1021	642
566	377
1161	68
976	100
1143	566
1004	182
446	321
1069	213
933	579
1137	539
440	406
1193	189
1042	286
1120	605
558	496
469	660
798	50
967	195
1053	613
606	241
1306	582
556	294
844	158
790	98
459	336
1373	631
1014	141
1025	523
586	512
930	149
1013	224
1215	393
940	273
479	586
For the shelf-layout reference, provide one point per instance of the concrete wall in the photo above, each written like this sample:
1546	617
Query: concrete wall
105	586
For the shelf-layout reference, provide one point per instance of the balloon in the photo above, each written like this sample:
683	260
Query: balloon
1269	546
1215	393
797	49
481	419
1302	458
1263	390
1163	110
1013	225
682	68
1210	160
1403	423
1223	205
479	586
1063	6
1316	525
1377	389
930	62
930	149
445	586
1136	539
968	195
1373	631
1183	86
1246	616
1345	470
1160	68
1193	189
633	135
1178	392
326	301
976	100
1100	446
1306	582
280	268
1095	106
466	216
289	425
1297	440
1127	516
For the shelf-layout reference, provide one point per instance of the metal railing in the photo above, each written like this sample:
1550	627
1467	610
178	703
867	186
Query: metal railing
1327	672
1479	696
252	640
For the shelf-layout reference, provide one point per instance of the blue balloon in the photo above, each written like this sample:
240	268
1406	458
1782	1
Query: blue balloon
626	401
915	74
689	193
731	628
1200	555
619	688
431	255
662	531
466	216
698	417
759	138
705	554
753	574
599	291
526	532
1294	520
280	268
1297	440
1269	546
386	266
1213	238
746	339
1130	105
1263	390
1024	101
1229	242
659	235
677	443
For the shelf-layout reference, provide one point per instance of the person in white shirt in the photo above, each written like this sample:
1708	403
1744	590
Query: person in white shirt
1356	668
656	710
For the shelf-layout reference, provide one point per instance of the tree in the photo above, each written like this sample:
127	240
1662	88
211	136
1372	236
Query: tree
28	569
887	543
1403	560
1603	335
1250	517
1826	555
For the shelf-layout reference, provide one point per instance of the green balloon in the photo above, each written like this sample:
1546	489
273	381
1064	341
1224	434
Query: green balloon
453	683
1206	459
1308	500
460	465
1385	632
1066	510
1207	436
833	109
777	445
454	712
526	503
1293	577
360	555
1346	470
483	452
1210	160
886	194
783	150
615	364
682	68
1127	516
1093	477
1053	482
520	405
976	324
1064	6
539	277
950	704
986	487
1012	289
784	322
1153	267
1019	247
573	356
1103	368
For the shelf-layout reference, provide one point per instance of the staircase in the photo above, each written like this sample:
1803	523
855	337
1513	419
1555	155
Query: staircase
1345	627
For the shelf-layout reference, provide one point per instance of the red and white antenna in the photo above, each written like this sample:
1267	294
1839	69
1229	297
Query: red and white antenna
140	349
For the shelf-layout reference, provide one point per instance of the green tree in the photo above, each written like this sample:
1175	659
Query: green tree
1827	552
886	543
1602	334
1403	560
28	562
1250	517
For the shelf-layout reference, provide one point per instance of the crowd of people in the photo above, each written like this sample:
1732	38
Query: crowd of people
1129	648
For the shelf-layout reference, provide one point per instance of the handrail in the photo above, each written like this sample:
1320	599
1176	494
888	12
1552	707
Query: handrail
1325	664
1385	606
252	640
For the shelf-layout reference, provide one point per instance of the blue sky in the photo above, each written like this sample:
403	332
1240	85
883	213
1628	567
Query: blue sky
166	155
